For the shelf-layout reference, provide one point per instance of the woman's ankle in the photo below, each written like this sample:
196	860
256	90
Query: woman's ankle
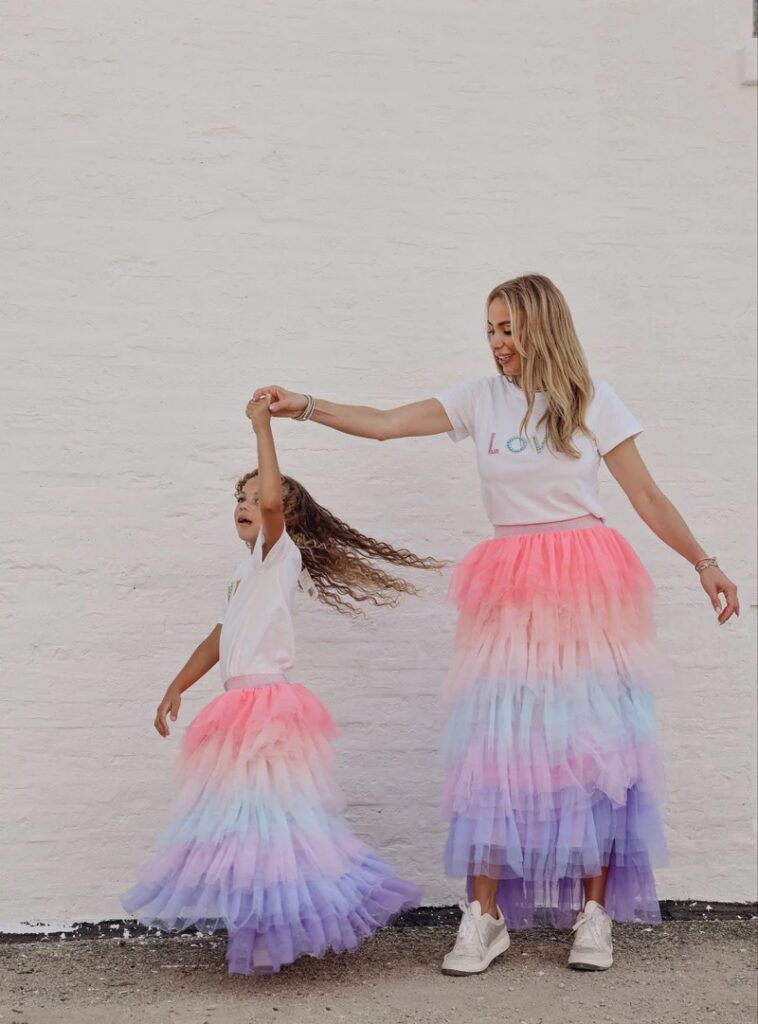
488	907
484	892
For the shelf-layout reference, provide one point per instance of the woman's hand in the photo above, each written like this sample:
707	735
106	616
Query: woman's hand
284	404
168	706
715	582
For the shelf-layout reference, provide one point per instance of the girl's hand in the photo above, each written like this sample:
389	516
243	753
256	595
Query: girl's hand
284	404
715	583
168	706
258	410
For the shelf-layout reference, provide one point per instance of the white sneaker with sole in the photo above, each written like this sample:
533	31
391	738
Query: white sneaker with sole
593	948
481	938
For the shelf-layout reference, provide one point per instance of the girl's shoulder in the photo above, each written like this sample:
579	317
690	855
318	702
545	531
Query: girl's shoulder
283	554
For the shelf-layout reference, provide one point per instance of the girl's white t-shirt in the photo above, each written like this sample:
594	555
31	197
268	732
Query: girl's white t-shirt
522	480
257	635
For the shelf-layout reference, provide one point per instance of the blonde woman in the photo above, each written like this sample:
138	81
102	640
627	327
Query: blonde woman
551	759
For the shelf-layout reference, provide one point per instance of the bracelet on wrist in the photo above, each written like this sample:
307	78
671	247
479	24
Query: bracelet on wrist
705	563
310	406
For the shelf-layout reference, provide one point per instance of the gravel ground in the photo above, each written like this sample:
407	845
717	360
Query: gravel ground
679	973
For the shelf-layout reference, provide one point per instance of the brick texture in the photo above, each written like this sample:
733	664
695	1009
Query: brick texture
198	199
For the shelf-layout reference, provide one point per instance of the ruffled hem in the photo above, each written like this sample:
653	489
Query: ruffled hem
629	896
552	766
576	841
256	951
286	921
255	843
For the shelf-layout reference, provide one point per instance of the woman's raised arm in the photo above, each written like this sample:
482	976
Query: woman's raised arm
418	419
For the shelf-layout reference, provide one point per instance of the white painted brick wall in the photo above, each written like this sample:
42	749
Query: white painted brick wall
199	198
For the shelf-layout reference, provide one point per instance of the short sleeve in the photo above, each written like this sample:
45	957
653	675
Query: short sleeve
460	404
611	422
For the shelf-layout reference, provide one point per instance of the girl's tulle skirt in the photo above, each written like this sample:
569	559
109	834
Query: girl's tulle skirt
256	842
552	768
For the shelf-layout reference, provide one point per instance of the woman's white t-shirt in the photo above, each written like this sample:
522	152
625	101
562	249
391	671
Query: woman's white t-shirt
522	480
257	635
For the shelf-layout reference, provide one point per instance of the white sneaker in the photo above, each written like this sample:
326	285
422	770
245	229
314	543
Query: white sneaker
593	948
481	938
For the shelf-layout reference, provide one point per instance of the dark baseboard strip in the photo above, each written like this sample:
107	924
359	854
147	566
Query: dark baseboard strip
424	917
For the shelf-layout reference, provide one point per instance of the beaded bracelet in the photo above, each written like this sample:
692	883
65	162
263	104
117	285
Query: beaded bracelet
310	406
705	563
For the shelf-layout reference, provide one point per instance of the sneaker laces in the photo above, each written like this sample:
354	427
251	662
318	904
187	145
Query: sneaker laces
590	926
469	939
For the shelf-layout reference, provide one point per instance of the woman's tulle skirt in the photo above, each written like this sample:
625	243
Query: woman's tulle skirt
552	768
257	844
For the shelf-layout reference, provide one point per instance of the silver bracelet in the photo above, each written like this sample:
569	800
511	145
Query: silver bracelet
310	406
705	563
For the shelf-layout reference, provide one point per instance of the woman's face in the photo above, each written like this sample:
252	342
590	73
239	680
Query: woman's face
501	339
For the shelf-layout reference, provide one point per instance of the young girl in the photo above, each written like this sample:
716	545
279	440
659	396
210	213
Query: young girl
256	843
552	763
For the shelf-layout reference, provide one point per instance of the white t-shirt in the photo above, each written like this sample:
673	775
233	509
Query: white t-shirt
257	635
522	480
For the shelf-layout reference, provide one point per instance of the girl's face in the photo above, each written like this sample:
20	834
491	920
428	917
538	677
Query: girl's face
247	515
501	340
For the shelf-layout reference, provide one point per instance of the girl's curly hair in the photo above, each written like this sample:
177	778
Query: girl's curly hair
341	561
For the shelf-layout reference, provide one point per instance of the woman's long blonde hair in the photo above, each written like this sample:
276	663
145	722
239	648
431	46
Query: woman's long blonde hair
341	561
552	358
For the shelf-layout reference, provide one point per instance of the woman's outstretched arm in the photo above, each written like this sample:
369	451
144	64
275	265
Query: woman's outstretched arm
666	522
418	419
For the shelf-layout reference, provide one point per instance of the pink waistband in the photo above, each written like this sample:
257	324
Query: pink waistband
254	681
580	523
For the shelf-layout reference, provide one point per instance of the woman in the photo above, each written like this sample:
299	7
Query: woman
551	759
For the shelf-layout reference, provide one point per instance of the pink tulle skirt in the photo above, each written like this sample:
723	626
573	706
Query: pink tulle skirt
552	768
257	844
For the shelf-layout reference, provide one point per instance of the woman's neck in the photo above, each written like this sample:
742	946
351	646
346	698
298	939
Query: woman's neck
516	382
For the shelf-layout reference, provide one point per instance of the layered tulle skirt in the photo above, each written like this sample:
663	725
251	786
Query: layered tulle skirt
256	843
552	769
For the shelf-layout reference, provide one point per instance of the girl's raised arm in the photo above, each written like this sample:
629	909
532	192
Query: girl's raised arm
418	419
270	495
